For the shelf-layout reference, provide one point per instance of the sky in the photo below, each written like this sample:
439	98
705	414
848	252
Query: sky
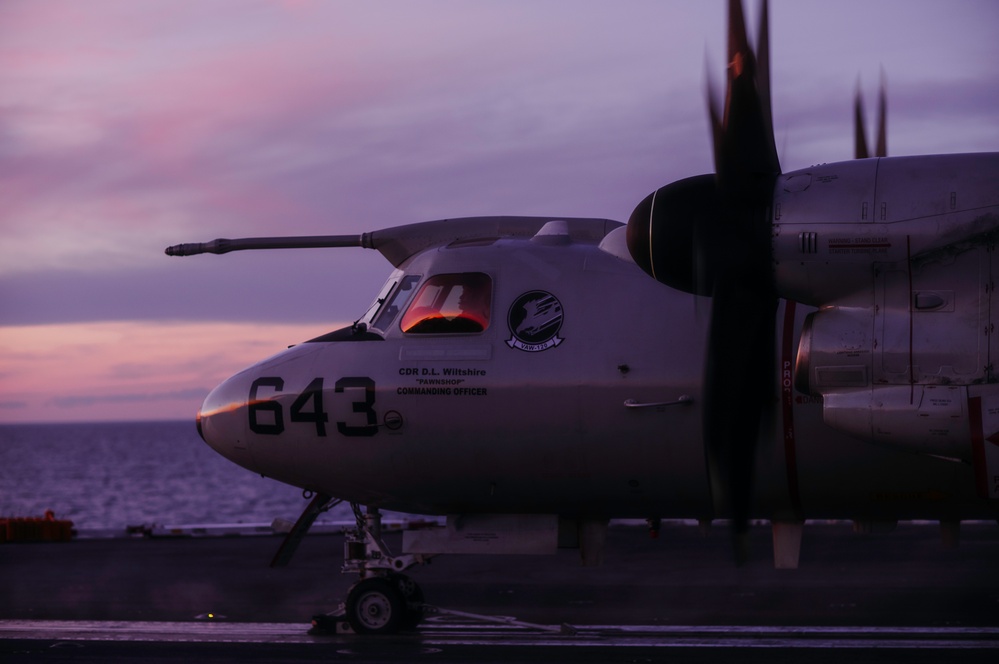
127	126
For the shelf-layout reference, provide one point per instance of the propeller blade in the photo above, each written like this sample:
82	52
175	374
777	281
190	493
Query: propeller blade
882	144
739	373
717	125
738	387
860	150
747	149
711	235
763	76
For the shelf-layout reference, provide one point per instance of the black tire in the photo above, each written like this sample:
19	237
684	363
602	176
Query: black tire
412	596
376	606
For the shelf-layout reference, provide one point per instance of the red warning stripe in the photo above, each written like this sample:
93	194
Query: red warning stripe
860	245
978	446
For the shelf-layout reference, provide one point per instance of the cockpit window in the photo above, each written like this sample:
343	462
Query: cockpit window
450	304
396	301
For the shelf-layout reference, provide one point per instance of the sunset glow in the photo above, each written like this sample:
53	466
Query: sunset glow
129	126
127	370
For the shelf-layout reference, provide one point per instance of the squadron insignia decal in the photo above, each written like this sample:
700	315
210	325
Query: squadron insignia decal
535	319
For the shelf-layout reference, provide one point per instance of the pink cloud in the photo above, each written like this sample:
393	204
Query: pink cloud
132	371
132	125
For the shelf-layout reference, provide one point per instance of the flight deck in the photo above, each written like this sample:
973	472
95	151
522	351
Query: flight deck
888	596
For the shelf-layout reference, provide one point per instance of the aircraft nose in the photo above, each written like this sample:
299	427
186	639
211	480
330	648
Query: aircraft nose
197	423
222	420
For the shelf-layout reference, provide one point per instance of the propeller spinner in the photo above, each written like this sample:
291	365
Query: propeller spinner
711	235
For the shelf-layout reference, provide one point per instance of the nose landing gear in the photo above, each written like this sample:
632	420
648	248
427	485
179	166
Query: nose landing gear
384	600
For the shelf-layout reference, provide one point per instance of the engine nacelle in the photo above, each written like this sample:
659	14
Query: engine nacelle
899	254
928	419
833	224
889	389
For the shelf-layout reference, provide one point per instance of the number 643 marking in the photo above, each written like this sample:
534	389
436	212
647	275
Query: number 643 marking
308	407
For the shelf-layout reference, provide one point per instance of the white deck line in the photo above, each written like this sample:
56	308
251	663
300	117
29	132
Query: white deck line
646	636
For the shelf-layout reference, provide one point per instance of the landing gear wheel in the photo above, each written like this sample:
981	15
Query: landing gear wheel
412	596
376	606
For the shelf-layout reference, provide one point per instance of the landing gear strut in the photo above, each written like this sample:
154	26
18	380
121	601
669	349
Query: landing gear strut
384	600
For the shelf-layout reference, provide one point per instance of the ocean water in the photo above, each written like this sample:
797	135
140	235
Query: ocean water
114	475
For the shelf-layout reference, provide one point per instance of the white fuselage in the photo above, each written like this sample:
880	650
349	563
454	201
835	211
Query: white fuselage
485	423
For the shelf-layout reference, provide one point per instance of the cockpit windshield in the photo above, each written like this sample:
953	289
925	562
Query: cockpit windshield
396	300
450	304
